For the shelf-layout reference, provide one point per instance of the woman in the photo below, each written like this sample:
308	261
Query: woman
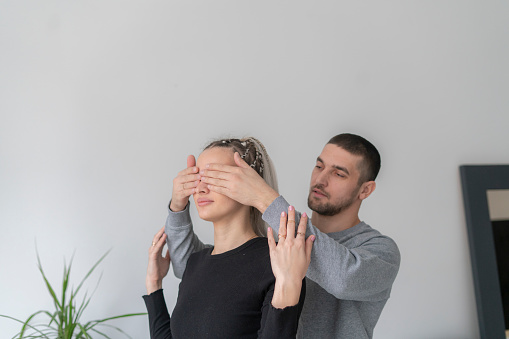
246	286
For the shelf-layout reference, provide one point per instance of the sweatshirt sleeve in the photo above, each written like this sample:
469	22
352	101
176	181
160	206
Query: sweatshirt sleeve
181	240
280	323
363	273
158	316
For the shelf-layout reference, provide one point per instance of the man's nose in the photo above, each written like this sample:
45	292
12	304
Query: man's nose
322	179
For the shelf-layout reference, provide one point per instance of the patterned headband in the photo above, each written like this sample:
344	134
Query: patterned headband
247	144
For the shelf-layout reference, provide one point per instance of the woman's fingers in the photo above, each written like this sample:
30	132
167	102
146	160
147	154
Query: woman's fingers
290	229
309	247
301	231
270	239
157	236
282	226
158	241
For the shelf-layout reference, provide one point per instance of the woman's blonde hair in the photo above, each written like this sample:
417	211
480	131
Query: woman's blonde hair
252	151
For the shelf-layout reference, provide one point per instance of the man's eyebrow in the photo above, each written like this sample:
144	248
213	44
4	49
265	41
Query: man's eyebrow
343	169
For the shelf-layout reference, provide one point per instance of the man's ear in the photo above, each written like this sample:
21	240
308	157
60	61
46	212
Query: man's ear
366	189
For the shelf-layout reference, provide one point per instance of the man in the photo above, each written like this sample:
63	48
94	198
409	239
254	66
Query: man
352	265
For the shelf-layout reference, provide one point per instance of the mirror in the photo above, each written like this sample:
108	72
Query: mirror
498	207
480	184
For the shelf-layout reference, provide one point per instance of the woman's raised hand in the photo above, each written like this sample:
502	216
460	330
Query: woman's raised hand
158	265
289	258
184	184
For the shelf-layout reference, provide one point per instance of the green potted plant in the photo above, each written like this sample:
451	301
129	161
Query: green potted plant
65	321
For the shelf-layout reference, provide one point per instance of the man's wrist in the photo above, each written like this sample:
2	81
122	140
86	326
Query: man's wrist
176	208
266	200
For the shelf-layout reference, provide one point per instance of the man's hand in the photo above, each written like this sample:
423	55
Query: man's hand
242	183
184	185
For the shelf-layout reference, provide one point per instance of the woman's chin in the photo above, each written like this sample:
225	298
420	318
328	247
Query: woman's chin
206	216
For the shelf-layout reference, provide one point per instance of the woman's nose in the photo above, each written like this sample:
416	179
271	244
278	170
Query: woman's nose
202	187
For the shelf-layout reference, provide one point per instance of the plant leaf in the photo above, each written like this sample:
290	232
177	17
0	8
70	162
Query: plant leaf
91	270
25	323
48	285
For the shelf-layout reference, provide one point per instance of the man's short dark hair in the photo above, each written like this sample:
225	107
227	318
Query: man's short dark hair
357	145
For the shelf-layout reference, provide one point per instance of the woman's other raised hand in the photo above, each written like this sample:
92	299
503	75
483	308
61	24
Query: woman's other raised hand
289	258
158	265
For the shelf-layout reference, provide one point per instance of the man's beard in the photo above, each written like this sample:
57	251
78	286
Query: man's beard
328	209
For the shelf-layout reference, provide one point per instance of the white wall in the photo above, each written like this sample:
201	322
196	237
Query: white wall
101	101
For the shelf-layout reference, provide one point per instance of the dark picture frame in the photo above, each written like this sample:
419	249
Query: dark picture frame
476	180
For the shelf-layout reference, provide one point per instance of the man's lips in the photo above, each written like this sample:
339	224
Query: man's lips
319	193
203	202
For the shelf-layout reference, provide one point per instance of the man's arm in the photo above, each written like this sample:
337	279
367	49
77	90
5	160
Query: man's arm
181	241
364	273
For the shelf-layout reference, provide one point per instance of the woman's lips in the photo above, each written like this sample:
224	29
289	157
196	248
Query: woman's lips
204	202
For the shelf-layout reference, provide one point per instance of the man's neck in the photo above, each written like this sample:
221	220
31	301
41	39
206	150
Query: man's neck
335	223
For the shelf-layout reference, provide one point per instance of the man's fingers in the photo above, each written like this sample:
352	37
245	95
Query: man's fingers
239	161
208	173
214	182
189	178
191	161
189	170
219	189
220	168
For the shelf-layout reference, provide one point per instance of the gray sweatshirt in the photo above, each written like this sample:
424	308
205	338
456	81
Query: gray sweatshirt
348	280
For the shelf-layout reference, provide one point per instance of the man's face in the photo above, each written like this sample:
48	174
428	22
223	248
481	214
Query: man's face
334	181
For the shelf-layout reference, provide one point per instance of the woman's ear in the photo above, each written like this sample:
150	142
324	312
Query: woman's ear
366	189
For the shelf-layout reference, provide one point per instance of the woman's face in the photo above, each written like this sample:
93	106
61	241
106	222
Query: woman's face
213	206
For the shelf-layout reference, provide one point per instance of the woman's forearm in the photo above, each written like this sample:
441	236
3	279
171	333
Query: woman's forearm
286	293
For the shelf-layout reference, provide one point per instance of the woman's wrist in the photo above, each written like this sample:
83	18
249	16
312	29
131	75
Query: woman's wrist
153	285
286	294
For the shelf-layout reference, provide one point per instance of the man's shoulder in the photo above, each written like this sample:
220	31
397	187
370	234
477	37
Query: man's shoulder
363	235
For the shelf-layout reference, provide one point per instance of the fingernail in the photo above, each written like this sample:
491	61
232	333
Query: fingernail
313	238
283	214
207	165
304	215
291	208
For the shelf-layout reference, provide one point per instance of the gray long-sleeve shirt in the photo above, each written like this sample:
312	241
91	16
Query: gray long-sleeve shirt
348	281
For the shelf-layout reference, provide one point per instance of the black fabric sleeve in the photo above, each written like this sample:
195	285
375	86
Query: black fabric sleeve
158	316
280	323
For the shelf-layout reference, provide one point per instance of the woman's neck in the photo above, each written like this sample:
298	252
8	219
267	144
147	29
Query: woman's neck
232	234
